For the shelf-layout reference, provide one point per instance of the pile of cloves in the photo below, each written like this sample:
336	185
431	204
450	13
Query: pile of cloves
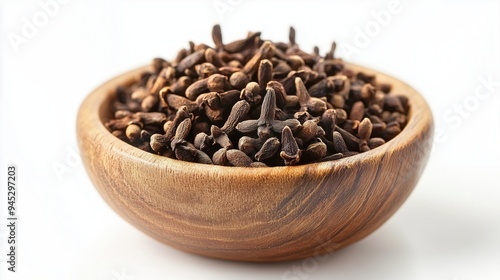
253	102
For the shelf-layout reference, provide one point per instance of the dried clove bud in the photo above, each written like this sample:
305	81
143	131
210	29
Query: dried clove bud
200	125
365	77
331	54
357	111
238	158
368	91
314	105
205	70
384	87
249	145
144	146
332	157
364	133
122	114
120	134
295	62
180	116
289	81
149	102
234	64
133	132
397	117
121	124
391	131
180	86
238	112
281	96
342	85
203	141
239	45
139	94
190	61
266	51
310	130
201	157
341	116
158	64
303	117
281	70
212	57
145	135
197	88
265	73
339	143
220	157
315	151
158	143
181	133
291	36
328	122
217	37
186	152
216	83
290	152
374	110
351	141
292	101
228	70
322	88
268	149
239	80
251	93
351	126
220	137
176	101
375	142
267	122
393	104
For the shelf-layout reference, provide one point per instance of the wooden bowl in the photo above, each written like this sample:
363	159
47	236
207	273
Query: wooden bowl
253	214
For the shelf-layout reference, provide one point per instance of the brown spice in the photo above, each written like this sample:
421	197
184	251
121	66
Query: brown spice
278	104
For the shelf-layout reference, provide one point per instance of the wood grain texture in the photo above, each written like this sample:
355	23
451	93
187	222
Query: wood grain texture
254	214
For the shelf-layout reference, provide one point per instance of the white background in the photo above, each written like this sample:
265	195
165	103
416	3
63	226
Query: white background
448	229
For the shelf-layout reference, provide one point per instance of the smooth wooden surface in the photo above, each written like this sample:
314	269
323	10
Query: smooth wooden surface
254	214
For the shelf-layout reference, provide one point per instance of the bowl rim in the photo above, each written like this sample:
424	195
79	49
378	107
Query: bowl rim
92	111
